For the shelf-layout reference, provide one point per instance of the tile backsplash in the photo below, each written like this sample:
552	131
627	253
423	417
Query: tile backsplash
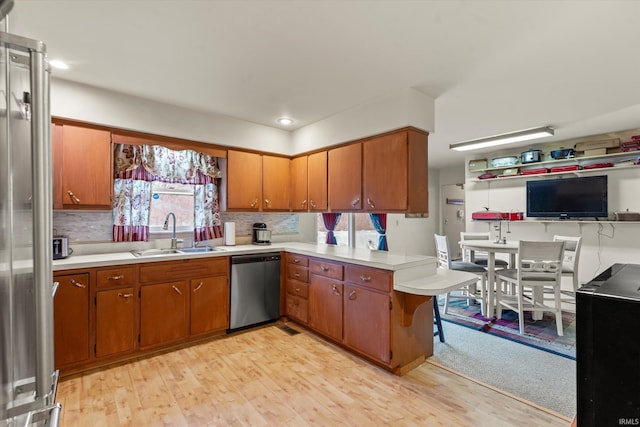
93	227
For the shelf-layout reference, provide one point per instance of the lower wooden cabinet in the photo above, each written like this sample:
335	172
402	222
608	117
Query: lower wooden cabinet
164	313
71	320
209	305
325	306
367	316
297	308
115	321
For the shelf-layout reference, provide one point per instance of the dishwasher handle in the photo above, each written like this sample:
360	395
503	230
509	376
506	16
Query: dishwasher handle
246	259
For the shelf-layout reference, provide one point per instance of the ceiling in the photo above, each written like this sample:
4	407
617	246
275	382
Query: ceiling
491	66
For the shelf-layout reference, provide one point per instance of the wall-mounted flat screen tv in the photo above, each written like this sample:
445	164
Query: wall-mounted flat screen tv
568	197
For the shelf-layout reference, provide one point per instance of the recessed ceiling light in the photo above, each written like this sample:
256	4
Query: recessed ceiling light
285	121
56	63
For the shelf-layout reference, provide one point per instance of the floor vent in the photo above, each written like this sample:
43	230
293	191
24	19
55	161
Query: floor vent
289	330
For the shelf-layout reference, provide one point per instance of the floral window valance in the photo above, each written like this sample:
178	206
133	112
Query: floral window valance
163	164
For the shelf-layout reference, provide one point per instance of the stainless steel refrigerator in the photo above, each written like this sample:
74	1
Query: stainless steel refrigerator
27	375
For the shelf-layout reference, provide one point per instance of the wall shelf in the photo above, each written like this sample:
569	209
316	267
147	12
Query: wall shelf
578	172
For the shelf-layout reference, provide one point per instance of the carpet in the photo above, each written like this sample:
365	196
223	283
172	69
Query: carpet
540	334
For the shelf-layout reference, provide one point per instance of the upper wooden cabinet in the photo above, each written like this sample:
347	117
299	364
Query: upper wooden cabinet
317	179
309	182
386	173
257	182
394	172
244	180
299	190
276	178
345	178
82	164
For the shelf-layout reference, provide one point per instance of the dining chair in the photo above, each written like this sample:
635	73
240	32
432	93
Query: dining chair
572	246
476	257
470	292
539	266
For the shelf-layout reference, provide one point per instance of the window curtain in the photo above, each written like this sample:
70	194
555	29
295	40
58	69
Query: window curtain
142	164
379	222
330	221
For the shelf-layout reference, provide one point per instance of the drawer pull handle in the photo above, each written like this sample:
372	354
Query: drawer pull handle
115	277
77	284
297	274
313	204
324	268
296	260
335	290
355	202
254	203
176	289
352	295
365	278
296	303
74	198
297	290
121	295
303	203
267	203
198	287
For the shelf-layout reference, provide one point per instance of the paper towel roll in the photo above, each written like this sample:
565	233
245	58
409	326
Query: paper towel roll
230	233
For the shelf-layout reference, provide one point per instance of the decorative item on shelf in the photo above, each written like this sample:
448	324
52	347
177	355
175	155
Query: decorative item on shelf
531	156
487	215
514	215
486	176
598	165
536	171
565	168
499	162
477	164
626	216
592	148
509	172
632	145
563	153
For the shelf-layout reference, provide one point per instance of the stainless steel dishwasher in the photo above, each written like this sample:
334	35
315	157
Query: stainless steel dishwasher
255	290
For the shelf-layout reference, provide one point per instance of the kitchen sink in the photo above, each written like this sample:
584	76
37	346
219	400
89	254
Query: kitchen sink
155	252
197	250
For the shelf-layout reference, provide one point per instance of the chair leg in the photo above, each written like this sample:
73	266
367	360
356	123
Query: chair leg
520	310
498	305
446	303
436	315
558	310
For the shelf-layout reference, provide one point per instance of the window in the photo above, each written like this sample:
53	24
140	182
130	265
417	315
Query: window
174	197
366	235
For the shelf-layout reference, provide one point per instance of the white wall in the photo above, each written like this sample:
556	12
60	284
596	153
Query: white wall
400	109
603	243
99	106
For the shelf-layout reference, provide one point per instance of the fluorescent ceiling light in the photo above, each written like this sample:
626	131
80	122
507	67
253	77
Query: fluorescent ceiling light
56	63
505	138
285	121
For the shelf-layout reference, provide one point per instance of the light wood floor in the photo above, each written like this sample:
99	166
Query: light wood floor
268	377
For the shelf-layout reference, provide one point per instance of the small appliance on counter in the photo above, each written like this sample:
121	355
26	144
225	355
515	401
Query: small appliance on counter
61	247
260	235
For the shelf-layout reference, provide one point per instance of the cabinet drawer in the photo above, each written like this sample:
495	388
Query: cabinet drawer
368	277
184	269
298	260
297	308
297	288
325	268
119	276
298	273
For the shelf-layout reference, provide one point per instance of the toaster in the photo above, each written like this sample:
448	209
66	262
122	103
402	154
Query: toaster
61	247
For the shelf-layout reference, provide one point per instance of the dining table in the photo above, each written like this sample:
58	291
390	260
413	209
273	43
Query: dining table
492	247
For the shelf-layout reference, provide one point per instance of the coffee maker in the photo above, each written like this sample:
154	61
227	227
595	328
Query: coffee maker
261	236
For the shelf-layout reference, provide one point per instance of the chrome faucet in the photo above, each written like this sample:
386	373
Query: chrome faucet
174	241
